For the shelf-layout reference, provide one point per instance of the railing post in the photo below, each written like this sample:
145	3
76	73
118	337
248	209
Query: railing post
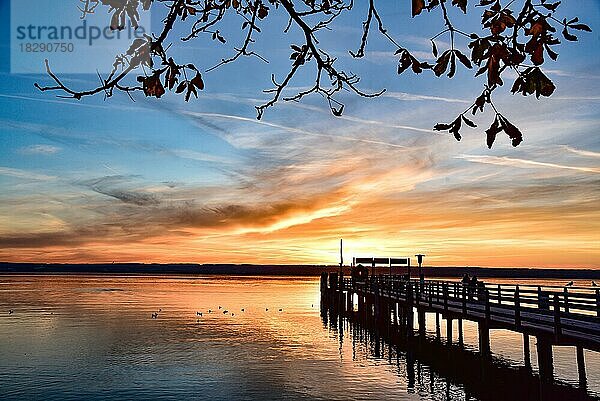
445	288
417	293
557	328
486	295
543	299
499	295
430	289
464	299
566	297
517	307
597	302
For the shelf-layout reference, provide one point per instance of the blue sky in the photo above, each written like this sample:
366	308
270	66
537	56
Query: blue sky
204	181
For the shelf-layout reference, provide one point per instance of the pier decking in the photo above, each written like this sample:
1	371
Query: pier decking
554	315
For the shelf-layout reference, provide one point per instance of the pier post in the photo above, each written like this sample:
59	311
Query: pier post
437	326
349	301
409	320
460	334
517	302
545	363
421	319
581	368
484	338
526	351
333	282
359	303
323	283
449	331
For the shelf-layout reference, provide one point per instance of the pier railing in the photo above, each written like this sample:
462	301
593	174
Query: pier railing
571	313
554	315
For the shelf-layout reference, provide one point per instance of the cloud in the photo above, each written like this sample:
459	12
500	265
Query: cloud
24	174
41	240
586	153
110	186
307	132
524	163
413	96
40	149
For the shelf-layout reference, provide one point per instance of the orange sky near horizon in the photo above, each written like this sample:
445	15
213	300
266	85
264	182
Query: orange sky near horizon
403	216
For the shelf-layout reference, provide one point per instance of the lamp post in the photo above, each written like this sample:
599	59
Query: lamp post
420	261
341	256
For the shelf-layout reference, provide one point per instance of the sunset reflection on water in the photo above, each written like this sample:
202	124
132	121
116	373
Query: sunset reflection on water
94	337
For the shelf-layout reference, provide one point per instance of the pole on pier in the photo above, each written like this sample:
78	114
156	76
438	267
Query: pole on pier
581	367
449	331
420	257
341	255
437	326
461	342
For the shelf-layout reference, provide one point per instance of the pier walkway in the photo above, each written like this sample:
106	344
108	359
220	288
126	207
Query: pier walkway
554	315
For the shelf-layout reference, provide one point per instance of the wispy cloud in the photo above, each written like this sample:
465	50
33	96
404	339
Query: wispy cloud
24	174
299	130
414	96
39	150
586	153
112	186
524	163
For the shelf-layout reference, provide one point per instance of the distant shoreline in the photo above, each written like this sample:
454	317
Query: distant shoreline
286	270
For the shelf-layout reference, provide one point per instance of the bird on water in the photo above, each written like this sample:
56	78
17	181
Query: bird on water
570	283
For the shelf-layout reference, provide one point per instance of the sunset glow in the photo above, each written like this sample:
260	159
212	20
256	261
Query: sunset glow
205	182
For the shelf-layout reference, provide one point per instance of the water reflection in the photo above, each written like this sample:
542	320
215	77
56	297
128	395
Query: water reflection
433	369
93	337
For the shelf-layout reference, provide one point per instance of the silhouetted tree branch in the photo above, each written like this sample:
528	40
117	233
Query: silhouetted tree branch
513	32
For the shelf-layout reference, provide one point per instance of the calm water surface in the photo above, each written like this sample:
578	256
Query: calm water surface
93	337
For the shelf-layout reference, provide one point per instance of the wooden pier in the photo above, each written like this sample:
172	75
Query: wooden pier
554	315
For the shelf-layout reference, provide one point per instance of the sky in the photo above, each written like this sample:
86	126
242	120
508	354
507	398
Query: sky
168	181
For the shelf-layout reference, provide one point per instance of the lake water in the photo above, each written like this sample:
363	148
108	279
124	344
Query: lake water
94	337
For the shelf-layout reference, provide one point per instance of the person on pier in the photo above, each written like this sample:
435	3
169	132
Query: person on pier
466	281
472	287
